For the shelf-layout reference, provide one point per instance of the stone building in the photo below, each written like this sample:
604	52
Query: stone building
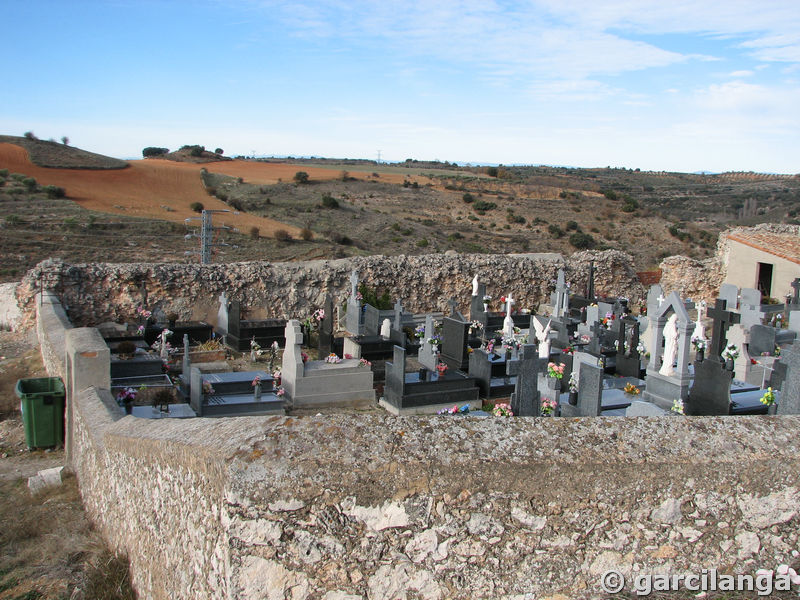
765	258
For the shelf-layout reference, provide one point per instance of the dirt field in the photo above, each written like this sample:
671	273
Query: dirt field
147	186
141	190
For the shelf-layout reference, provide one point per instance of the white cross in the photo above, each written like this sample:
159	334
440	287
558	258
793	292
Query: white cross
660	299
509	302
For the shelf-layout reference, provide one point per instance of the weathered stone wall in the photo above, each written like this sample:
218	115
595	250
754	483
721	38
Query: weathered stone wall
384	507
93	293
51	326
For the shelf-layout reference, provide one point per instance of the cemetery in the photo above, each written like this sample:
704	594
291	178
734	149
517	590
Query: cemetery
496	416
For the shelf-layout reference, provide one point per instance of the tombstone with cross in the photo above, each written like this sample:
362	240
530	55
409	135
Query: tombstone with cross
629	362
560	298
476	310
666	385
508	322
428	352
711	392
353	315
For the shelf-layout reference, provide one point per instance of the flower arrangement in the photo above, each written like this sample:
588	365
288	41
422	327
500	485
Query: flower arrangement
631	389
332	359
304	356
277	377
145	314
364	363
419	332
280	392
569	349
510	343
454	410
555	370
699	344
677	406
730	352
548	406
315	319
573	382
256	381
208	388
475	326
441	368
586	338
487	300
348	356
140	330
489	346
640	348
434	341
503	409
777	351
126	396
768	399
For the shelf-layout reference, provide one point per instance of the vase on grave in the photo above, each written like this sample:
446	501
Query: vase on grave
573	398
508	354
485	307
423	373
442	369
700	355
772	409
729	364
257	391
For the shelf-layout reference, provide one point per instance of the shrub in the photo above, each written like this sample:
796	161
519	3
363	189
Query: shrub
255	232
468	198
610	194
555	231
65	140
483	205
197	207
69	223
329	201
154	151
4	173
572	226
13	220
338	238
422	243
562	194
491	171
197	151
306	234
29	135
53	191
282	235
301	177
219	151
236	204
581	240
30	183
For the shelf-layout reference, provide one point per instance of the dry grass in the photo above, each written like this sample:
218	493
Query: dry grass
49	550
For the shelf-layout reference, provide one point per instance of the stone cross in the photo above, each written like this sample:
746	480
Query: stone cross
509	302
292	368
398	315
453	306
796	287
427	356
660	299
186	362
561	291
164	352
722	320
353	284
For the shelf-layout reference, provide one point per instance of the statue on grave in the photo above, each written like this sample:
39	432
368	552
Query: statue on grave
699	332
508	322
670	346
386	329
543	337
475	285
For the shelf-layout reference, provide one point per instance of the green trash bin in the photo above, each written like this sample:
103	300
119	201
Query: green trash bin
42	406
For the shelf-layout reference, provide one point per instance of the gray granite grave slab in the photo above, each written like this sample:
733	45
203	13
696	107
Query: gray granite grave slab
525	401
729	293
711	392
790	390
590	393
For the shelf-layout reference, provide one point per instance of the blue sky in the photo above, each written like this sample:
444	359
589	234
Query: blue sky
678	85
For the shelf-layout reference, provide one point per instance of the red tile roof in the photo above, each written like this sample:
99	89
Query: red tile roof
778	244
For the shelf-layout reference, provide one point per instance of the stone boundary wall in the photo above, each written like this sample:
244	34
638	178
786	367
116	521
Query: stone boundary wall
94	293
51	327
378	507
